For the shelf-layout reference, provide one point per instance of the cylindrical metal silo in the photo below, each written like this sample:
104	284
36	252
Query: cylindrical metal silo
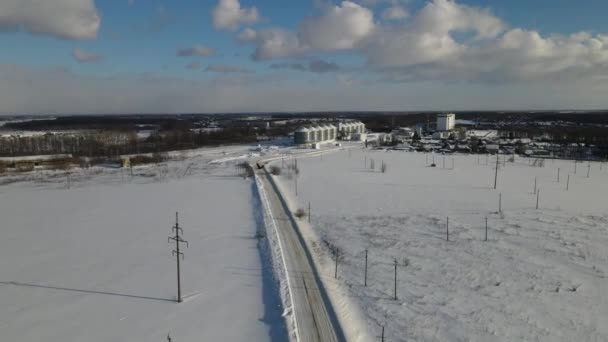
301	136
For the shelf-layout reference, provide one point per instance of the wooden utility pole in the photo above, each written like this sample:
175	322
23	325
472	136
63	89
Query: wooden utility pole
500	203
486	239
558	170
337	257
178	240
395	288
568	183
534	185
537	198
447	229
308	211
365	277
496	174
296	176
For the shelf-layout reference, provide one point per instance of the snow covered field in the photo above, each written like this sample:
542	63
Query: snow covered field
540	277
92	262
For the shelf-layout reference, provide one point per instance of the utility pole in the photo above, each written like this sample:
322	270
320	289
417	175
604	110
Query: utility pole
308	211
496	175
500	203
568	183
337	257
365	281
178	239
558	169
486	229
447	229
537	198
395	289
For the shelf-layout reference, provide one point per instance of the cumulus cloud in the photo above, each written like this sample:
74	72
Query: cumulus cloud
395	13
338	27
65	19
82	56
198	50
315	65
228	14
223	68
429	49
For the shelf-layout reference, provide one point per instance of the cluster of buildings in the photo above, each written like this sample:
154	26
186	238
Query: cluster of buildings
326	133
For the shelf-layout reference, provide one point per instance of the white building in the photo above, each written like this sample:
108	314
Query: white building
315	134
446	122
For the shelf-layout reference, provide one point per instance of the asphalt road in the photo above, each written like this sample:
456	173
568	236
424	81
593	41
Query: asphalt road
312	311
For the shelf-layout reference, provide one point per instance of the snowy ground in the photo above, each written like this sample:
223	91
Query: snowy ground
540	277
92	262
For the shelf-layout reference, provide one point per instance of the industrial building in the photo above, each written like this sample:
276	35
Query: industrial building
325	133
446	122
346	128
315	134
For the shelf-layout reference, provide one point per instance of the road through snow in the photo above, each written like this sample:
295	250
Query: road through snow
313	313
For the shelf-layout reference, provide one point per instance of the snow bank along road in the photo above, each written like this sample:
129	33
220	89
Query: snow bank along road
312	311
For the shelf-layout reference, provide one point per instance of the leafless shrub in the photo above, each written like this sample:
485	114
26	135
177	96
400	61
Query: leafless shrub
145	159
275	170
300	213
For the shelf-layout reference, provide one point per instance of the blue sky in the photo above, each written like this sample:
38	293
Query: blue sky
266	54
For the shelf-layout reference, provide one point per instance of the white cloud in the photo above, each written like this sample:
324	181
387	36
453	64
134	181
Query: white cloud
228	14
339	27
201	51
66	19
273	43
82	56
336	28
428	49
247	35
395	13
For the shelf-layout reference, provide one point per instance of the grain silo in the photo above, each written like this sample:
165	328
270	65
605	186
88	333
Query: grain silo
333	132
302	136
325	132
